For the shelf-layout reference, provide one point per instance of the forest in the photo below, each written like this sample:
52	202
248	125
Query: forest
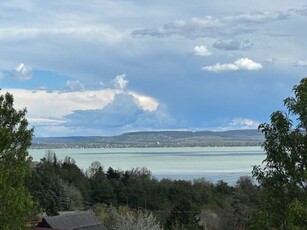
176	204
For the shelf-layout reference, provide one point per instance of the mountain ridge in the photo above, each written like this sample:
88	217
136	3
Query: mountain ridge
156	139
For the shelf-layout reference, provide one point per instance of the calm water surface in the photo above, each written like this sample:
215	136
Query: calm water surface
212	163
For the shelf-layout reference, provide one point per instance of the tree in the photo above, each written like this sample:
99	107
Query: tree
135	221
283	175
100	188
139	221
245	201
73	176
15	139
46	188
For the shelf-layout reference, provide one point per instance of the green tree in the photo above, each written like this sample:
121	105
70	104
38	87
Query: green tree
46	188
184	210
100	188
73	176
15	139
283	175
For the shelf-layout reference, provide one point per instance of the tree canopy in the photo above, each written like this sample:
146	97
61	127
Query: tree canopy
283	174
15	139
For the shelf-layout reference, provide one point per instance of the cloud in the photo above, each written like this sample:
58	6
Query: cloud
233	44
145	102
243	123
92	124
46	121
213	27
240	64
57	107
201	51
56	104
120	82
258	17
124	113
236	123
79	42
191	28
300	11
156	119
101	83
22	72
272	60
102	33
301	63
72	86
121	111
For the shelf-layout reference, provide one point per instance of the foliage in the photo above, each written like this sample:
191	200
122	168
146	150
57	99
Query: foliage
15	138
125	218
283	176
100	188
45	186
139	221
297	218
56	186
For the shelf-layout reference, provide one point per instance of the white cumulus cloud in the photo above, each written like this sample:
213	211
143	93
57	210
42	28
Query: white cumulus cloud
240	64
72	86
58	104
120	82
243	123
202	51
22	72
301	63
145	102
123	113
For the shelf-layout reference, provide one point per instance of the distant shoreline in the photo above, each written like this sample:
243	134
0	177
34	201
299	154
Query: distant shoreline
153	139
51	146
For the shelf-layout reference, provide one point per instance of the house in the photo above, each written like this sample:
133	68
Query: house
71	221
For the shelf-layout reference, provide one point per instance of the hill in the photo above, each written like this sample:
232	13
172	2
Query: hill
156	139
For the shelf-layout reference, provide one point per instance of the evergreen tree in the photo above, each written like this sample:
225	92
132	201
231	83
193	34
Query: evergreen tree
15	139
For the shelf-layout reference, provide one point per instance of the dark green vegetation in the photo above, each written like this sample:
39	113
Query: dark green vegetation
284	175
15	139
157	139
60	186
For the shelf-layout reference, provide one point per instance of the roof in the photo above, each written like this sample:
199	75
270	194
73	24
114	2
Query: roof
42	228
73	221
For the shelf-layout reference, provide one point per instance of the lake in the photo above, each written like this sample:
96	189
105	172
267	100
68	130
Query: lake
212	163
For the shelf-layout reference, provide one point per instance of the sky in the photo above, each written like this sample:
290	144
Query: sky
105	67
